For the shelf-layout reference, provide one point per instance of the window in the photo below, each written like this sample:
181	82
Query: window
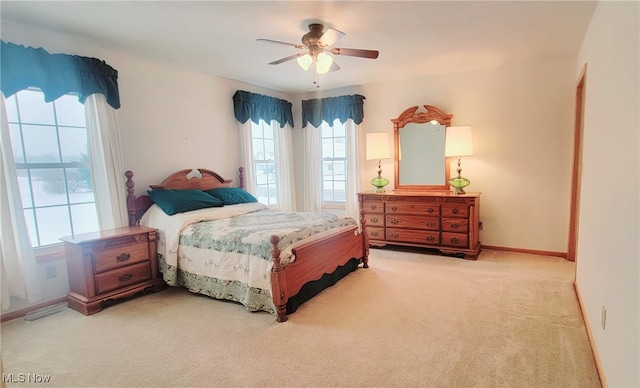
264	163
334	164
49	142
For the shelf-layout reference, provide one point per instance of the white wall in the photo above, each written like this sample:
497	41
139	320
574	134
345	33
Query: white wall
522	122
608	256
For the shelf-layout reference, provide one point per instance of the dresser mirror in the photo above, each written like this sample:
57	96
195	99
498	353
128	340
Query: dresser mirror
419	141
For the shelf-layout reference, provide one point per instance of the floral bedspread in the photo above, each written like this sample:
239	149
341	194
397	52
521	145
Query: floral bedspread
226	252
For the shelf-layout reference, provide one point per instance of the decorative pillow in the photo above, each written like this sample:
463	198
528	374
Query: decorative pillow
232	195
180	201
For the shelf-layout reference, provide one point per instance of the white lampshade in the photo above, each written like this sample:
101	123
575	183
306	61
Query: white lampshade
458	141
323	63
378	146
305	61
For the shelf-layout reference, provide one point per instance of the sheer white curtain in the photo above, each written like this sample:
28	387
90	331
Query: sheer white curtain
284	163
246	155
19	271
312	138
354	167
106	162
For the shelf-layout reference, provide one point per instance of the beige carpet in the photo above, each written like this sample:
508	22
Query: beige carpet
506	320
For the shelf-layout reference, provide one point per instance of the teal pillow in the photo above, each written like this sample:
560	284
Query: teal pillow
180	201
232	195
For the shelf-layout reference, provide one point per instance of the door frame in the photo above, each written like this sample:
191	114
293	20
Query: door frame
576	172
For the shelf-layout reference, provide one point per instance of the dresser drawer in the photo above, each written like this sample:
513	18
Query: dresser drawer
455	240
120	256
413	222
431	209
374	219
375	233
122	277
455	224
455	210
413	236
373	206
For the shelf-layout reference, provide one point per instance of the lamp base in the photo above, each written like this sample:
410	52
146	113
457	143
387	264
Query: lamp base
379	183
458	184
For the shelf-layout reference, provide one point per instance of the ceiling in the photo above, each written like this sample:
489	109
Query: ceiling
414	37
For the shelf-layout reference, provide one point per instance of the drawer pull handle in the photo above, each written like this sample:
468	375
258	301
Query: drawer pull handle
454	211
393	221
373	233
394	235
431	239
373	207
455	240
454	226
430	210
431	224
394	208
374	220
125	277
123	257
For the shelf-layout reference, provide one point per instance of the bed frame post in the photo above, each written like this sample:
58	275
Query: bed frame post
278	282
131	198
241	177
365	238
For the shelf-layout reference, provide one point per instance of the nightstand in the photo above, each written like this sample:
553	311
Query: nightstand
110	265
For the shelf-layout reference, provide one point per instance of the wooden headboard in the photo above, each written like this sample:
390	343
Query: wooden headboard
200	178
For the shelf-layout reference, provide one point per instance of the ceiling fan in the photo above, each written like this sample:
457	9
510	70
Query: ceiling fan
317	46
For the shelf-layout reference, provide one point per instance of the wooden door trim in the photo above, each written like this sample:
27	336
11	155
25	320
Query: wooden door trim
576	172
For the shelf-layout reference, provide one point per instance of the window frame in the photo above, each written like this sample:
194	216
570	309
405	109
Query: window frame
325	204
51	250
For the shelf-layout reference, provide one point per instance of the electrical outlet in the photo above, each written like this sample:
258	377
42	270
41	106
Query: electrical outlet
603	318
481	225
51	272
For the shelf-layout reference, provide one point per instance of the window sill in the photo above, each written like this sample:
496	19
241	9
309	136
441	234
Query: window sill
49	253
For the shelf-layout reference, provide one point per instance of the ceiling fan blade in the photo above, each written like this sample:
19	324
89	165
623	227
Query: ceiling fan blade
330	36
334	67
371	54
282	43
290	57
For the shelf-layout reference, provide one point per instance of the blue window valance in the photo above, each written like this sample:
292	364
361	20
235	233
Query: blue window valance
247	105
331	108
56	74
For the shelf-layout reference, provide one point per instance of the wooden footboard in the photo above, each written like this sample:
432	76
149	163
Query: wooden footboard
312	261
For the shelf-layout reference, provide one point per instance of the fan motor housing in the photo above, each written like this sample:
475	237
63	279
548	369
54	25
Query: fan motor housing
310	39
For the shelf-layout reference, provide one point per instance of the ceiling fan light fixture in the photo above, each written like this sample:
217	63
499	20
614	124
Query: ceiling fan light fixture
323	63
305	61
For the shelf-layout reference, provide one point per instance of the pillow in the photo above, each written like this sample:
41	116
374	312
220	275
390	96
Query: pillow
180	201
232	195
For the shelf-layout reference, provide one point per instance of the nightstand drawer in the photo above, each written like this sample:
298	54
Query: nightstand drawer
122	277
121	256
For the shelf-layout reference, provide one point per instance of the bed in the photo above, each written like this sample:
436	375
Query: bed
266	260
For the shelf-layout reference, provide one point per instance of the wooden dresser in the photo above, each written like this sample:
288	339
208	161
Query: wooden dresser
110	265
440	220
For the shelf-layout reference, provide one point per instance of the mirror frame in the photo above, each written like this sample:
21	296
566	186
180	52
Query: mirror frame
412	115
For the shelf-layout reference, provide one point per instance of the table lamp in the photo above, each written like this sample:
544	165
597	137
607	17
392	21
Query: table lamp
378	148
458	143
